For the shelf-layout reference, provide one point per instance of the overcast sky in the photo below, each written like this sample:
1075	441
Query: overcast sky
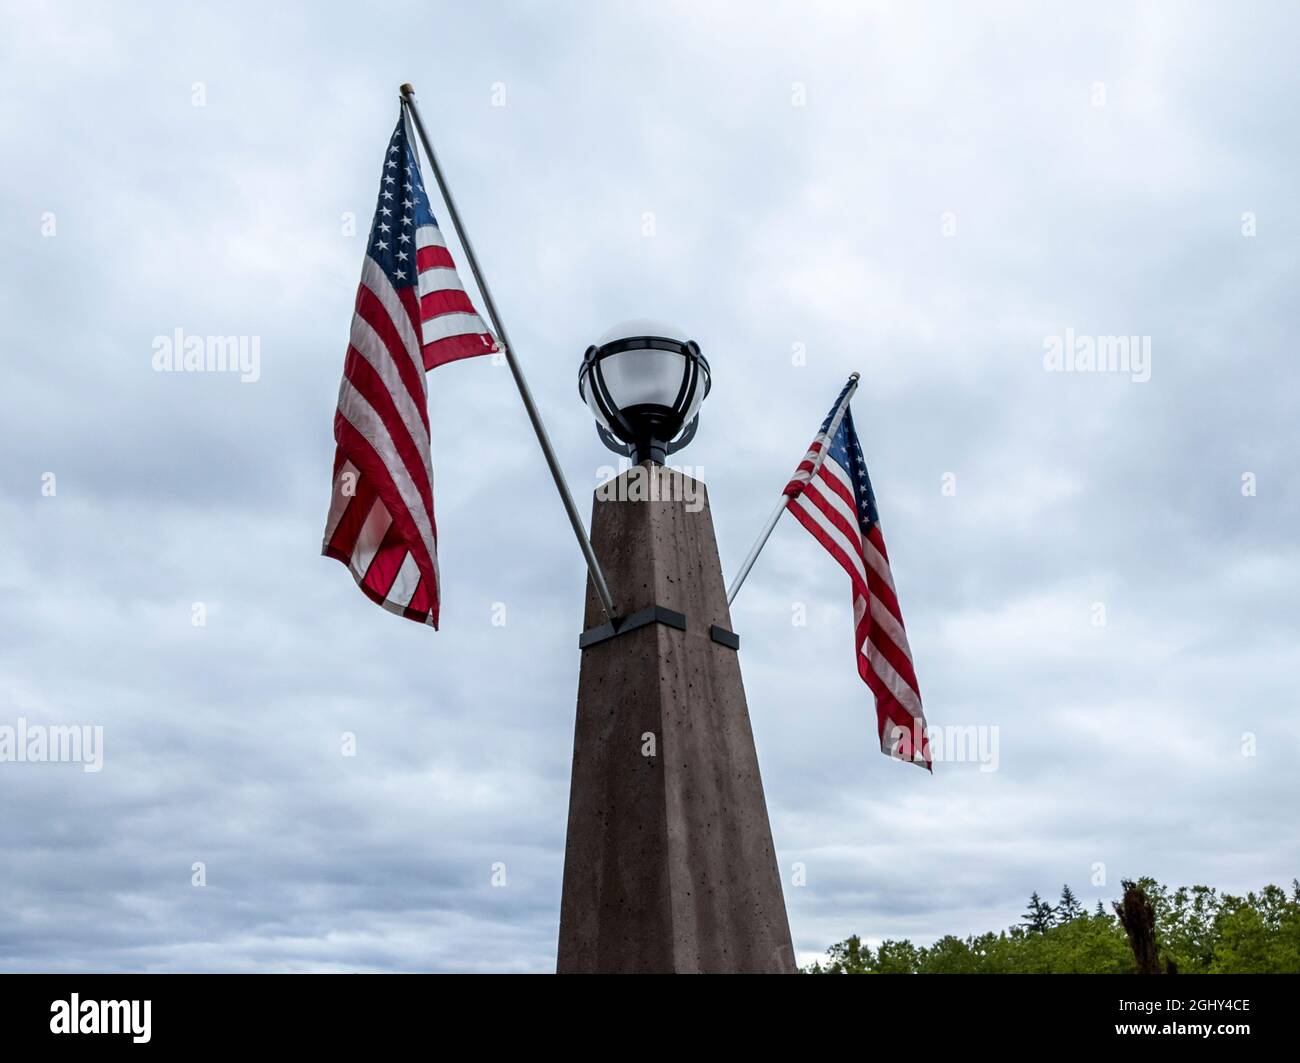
1101	571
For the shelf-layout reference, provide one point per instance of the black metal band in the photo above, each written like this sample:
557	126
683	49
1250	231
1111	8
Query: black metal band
723	637
655	614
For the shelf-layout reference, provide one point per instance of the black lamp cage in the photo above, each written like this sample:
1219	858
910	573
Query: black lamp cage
646	431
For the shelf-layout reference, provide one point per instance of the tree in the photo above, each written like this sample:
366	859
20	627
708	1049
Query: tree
1038	917
896	957
1137	915
849	956
950	955
1069	909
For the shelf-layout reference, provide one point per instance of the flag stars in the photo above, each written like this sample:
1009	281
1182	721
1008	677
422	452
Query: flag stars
402	256
381	245
404	239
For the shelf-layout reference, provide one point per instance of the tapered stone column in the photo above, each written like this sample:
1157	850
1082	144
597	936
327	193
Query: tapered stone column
669	864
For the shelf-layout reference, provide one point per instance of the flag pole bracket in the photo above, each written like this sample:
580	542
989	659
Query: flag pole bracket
723	637
621	625
654	614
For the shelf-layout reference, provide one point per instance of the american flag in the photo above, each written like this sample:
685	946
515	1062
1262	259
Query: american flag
831	496
411	314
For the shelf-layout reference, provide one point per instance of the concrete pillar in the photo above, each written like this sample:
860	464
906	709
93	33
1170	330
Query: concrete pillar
669	864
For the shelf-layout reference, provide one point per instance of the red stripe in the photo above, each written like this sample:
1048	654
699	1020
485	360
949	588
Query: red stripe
797	483
364	378
879	586
832	547
420	599
875	584
448	301
878	541
372	311
890	713
453	348
433	258
897	659
344	539
850	532
386	563
363	456
837	485
410	299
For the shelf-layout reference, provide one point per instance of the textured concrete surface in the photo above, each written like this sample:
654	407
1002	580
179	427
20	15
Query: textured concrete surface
669	864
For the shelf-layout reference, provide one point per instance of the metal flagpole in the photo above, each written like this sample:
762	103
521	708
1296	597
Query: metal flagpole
766	533
593	565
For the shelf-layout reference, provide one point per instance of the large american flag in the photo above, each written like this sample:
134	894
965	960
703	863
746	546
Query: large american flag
411	314
831	496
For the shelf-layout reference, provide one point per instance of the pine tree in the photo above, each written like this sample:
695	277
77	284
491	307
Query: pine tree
1038	918
1101	911
1069	909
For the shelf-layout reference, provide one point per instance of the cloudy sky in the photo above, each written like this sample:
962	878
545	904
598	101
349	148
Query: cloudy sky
1097	570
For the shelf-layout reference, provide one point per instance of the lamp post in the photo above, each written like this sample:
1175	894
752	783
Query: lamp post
644	382
669	864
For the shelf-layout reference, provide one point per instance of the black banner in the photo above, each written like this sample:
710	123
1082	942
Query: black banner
334	1012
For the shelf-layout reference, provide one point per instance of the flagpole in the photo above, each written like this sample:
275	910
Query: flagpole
766	533
593	565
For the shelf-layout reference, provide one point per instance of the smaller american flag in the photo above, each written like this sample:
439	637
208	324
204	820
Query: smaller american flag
830	495
411	314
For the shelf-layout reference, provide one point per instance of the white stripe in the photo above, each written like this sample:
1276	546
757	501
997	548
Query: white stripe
887	731
372	534
894	682
445	326
429	236
440	279
339	501
874	558
853	550
837	503
879	565
362	416
373	278
406	583
834	468
881	615
368	344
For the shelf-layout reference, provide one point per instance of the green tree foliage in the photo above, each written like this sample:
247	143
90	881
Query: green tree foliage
1038	917
1069	908
1197	928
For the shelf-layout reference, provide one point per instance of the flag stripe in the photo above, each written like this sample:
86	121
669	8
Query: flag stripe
445	326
